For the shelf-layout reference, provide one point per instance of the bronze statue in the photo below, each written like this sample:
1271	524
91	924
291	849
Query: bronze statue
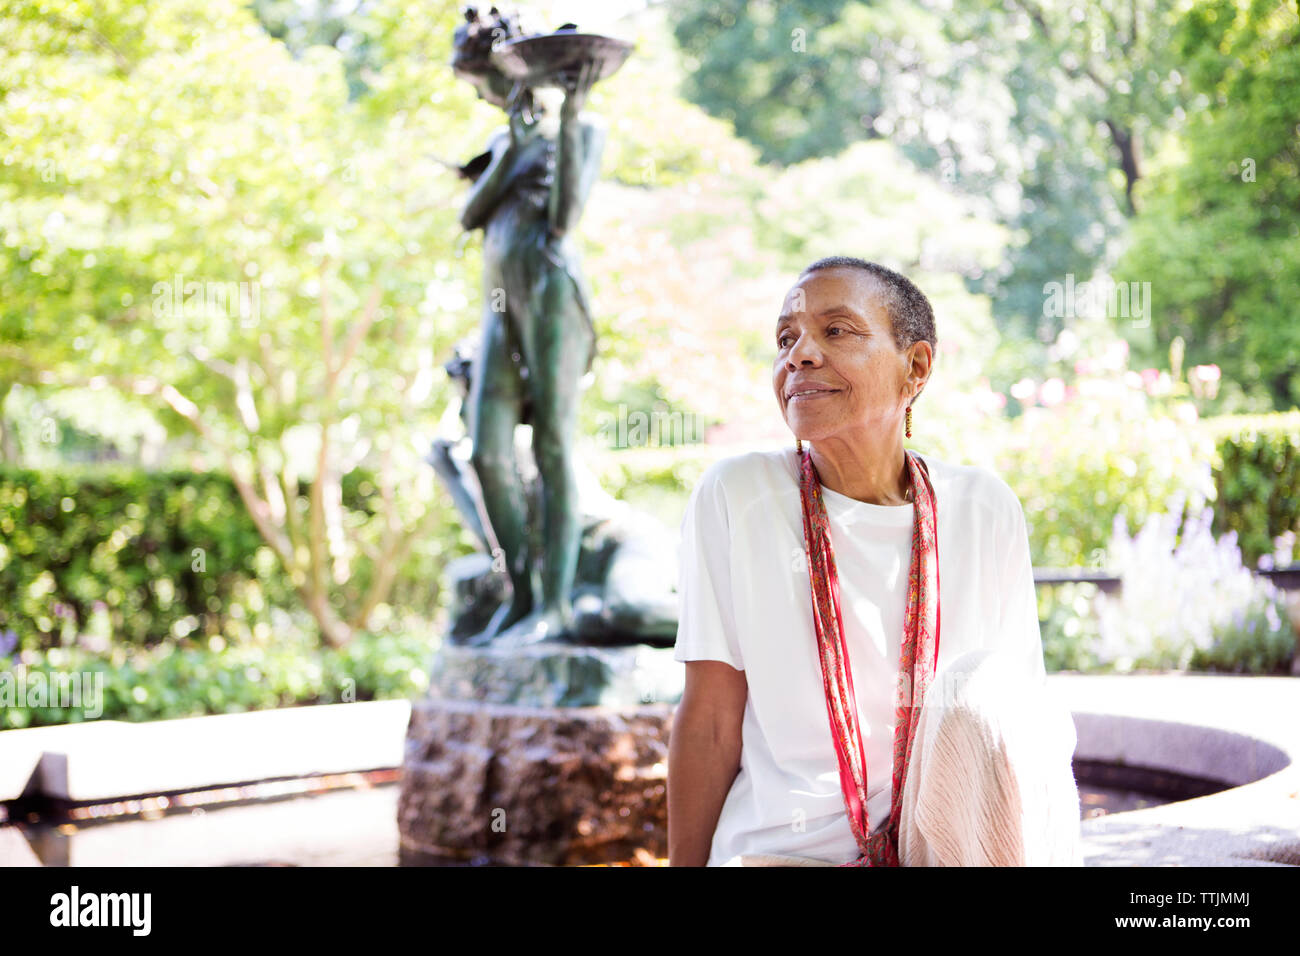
625	586
538	339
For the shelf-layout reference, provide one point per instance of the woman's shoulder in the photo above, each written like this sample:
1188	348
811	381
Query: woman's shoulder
750	474
975	486
751	489
971	488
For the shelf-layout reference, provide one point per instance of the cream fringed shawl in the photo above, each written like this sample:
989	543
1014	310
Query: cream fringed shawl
990	781
994	785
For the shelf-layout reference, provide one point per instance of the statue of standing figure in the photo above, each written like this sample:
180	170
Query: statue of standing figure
538	339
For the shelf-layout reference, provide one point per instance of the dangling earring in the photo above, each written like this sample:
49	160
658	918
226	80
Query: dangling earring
798	444
908	421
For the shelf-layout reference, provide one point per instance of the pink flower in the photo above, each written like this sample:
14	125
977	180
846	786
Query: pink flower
989	401
1023	390
1116	355
1204	380
1052	392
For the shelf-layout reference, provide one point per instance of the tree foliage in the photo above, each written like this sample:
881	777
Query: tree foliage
1040	109
1219	236
196	218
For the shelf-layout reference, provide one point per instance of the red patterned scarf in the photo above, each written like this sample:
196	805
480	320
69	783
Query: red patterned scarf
917	657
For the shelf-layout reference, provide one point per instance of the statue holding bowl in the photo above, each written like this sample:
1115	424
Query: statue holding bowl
538	340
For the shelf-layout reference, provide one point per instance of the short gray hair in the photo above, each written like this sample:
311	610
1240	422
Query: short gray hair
910	314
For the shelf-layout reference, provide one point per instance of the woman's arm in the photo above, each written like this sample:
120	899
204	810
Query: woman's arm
703	757
704	746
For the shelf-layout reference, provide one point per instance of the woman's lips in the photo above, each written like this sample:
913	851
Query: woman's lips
809	396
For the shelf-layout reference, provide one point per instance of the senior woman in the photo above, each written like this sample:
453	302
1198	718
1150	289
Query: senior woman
864	671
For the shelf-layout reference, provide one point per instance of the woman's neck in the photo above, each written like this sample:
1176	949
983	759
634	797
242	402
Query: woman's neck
872	472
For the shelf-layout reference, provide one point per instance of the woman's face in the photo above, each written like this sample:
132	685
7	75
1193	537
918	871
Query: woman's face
834	334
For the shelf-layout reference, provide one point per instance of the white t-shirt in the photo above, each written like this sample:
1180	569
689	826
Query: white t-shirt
744	599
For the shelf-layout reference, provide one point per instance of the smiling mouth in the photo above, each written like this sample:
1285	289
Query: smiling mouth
818	393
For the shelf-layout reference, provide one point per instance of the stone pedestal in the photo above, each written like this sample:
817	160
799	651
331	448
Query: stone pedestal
549	755
558	675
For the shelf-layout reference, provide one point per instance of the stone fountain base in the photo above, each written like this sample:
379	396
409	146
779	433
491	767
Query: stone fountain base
499	770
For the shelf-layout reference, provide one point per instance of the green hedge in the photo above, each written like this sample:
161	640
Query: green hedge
195	678
1257	475
147	557
161	554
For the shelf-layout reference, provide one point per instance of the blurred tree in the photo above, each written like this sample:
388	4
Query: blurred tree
194	217
335	24
1219	234
1040	109
1091	84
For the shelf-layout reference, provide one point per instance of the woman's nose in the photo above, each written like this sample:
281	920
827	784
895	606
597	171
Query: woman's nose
804	350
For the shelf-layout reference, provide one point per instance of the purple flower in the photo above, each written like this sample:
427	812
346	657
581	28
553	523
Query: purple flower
8	641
